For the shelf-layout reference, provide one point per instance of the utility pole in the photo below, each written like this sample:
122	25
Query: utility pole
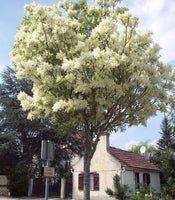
47	154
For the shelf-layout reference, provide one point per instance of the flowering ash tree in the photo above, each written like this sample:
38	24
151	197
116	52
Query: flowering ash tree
92	71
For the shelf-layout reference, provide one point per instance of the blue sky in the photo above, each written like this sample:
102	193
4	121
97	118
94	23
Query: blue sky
156	15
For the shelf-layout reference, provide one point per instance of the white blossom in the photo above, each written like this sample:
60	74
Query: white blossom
90	58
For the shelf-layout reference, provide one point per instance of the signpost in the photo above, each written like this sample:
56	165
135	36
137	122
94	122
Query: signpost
47	154
49	171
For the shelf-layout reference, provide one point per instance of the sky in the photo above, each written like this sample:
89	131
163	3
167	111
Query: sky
156	15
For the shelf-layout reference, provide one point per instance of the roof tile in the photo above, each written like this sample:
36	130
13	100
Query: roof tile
131	159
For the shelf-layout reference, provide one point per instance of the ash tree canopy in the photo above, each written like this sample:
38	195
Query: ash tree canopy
82	65
92	70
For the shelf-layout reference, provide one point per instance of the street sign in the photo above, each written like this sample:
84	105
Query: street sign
43	149
47	154
47	150
49	171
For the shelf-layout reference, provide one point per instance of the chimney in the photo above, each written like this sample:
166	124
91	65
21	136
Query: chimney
104	139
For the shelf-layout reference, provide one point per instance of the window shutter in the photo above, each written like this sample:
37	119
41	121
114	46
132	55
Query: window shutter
80	181
148	181
144	178
137	180
96	181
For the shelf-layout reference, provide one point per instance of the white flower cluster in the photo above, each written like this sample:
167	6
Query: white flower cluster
71	104
89	58
126	19
26	101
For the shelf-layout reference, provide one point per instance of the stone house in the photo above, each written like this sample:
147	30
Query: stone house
133	169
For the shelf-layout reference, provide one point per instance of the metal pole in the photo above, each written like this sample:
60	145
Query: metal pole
47	183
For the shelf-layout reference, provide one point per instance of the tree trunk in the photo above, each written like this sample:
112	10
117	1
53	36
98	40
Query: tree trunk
86	179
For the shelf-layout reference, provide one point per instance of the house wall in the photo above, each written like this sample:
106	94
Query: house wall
129	179
107	166
155	182
103	164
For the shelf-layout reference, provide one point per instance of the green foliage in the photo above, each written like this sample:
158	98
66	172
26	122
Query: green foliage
170	188
165	141
163	157
144	189
146	196
120	190
18	179
149	148
14	136
144	193
167	197
20	139
109	192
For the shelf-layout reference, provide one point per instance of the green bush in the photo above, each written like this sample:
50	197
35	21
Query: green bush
167	197
18	179
144	193
120	190
169	190
144	197
145	189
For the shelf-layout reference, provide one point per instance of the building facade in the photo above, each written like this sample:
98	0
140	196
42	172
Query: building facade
107	161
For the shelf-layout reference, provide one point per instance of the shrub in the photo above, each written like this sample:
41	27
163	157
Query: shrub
120	190
169	190
144	193
147	196
145	189
18	179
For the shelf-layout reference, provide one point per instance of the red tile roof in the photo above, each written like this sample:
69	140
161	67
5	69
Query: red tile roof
131	159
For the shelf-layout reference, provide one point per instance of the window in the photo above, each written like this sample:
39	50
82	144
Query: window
91	181
137	180
94	181
146	179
